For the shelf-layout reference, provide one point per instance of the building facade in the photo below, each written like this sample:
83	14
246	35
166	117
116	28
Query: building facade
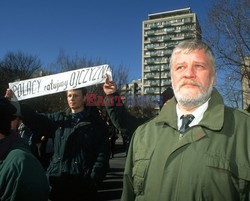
246	84
134	88
161	33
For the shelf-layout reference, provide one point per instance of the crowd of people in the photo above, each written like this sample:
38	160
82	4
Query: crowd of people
196	148
81	148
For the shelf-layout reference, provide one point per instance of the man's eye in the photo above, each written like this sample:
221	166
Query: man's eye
199	66
179	67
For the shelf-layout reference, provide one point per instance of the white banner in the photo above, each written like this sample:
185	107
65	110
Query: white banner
51	84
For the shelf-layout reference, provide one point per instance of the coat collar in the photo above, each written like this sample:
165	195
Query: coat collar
213	117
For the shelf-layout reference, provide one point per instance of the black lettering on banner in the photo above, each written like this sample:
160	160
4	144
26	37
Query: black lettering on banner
102	72
80	75
83	75
66	84
77	79
95	74
72	79
84	81
20	90
48	87
14	89
38	88
26	88
91	73
51	84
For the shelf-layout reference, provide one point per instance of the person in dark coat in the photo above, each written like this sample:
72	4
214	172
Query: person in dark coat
22	178
81	147
112	137
119	115
166	95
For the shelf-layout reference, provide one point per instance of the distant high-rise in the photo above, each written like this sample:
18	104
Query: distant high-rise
161	33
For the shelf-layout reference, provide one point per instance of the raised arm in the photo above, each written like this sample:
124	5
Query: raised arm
117	112
33	120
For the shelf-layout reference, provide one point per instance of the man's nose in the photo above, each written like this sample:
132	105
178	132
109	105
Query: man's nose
189	71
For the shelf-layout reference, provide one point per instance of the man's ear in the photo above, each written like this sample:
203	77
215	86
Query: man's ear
214	81
85	99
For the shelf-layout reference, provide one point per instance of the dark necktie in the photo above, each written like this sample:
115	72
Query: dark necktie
186	120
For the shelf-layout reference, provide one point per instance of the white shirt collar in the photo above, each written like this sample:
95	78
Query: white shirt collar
198	114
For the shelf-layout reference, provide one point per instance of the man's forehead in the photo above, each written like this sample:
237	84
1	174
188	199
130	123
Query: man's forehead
190	51
74	91
197	55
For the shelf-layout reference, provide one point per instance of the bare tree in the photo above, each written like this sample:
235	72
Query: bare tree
120	75
66	62
17	65
228	32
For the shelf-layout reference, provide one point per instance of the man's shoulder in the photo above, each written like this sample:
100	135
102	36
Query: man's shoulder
243	112
237	117
147	122
20	158
237	112
146	137
148	126
55	116
19	151
16	160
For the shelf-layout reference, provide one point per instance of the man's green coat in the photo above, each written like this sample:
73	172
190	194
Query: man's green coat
211	162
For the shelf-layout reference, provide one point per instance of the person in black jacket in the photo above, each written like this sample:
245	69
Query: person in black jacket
119	115
81	147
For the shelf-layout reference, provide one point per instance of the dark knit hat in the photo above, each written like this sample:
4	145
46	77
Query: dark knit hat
6	108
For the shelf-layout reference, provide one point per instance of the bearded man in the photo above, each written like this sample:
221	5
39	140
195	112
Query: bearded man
196	148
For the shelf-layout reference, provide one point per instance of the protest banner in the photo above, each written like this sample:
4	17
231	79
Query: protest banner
51	84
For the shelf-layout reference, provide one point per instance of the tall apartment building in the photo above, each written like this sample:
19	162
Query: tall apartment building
161	33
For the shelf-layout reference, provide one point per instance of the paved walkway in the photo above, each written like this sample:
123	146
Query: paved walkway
111	188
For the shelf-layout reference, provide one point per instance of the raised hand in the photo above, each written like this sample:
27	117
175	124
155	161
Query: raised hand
109	87
9	94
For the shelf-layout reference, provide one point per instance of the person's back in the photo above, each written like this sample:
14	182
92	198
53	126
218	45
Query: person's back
22	176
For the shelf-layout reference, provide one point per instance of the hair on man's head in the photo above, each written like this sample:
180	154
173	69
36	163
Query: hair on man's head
187	46
83	90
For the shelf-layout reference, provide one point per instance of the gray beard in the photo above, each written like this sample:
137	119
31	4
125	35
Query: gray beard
197	101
